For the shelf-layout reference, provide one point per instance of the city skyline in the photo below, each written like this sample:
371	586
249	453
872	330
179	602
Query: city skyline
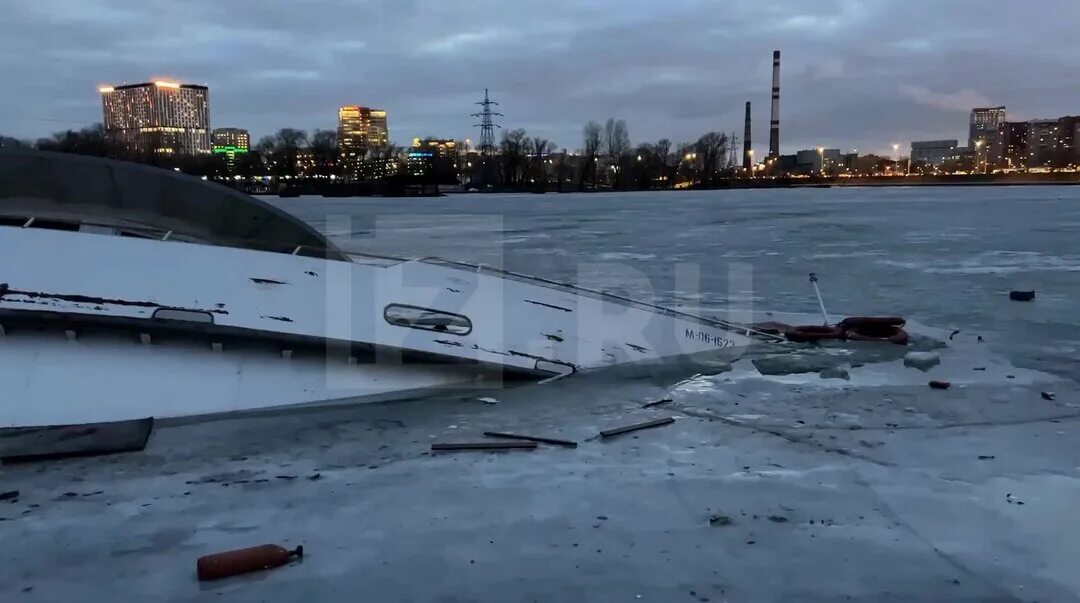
855	76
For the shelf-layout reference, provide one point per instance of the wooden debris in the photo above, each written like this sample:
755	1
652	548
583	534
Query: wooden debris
658	403
528	438
484	446
637	426
940	384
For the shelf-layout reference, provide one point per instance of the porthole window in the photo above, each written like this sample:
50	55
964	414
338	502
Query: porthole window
427	319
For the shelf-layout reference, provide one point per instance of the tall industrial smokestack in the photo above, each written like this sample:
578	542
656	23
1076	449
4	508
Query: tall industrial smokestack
747	147
774	123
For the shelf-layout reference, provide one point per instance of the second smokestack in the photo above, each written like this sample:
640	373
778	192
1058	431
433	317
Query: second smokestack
748	147
774	123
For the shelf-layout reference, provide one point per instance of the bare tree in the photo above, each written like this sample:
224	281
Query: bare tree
662	151
90	140
591	135
324	146
541	148
711	149
513	148
686	162
617	145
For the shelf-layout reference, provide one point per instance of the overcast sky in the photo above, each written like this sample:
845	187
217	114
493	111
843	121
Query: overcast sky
856	73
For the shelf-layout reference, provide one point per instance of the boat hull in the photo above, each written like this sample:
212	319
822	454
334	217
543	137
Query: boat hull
461	321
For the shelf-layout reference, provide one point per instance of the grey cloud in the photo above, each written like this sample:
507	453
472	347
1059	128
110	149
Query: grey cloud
857	73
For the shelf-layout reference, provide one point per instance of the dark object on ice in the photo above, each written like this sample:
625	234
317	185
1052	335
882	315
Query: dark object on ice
811	333
881	321
986	457
658	403
771	327
621	430
835	372
875	328
514	436
485	446
954	334
12	495
940	384
243	561
1022	295
778	519
720	520
315	476
1048	396
21	444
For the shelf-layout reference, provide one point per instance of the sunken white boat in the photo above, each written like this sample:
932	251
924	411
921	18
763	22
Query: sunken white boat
128	291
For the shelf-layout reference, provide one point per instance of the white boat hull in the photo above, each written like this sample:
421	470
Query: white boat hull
235	298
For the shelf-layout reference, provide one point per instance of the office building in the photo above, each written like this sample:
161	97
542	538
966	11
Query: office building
816	161
1044	143
305	163
934	152
1014	144
235	139
434	157
360	129
230	142
984	133
161	118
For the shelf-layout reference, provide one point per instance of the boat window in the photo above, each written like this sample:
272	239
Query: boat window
184	315
427	319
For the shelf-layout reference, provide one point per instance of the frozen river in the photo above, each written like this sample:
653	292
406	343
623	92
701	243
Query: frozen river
822	474
944	256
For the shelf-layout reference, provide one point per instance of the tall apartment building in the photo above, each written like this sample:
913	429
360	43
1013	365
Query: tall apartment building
162	118
984	132
359	129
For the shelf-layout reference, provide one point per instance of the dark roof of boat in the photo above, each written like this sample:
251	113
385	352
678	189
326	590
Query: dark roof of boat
48	185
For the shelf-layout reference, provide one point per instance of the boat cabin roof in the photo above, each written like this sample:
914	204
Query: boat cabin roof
60	189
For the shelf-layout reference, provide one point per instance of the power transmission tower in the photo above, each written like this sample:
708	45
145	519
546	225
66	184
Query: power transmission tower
487	125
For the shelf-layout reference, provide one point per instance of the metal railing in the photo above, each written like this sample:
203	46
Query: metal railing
734	327
389	260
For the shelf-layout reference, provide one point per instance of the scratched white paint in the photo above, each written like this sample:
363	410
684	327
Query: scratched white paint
47	380
514	323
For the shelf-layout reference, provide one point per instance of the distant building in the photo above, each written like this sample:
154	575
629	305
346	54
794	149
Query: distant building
10	143
1069	151
934	152
984	126
230	142
814	161
236	139
1045	148
305	163
1014	144
435	158
360	129
161	118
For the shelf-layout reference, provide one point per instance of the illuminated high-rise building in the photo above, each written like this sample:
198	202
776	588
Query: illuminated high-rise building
236	139
359	129
161	117
231	142
378	132
984	133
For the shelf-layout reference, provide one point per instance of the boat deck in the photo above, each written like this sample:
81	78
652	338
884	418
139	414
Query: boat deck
875	489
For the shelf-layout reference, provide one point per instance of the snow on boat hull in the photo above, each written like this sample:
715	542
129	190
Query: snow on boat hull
466	323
